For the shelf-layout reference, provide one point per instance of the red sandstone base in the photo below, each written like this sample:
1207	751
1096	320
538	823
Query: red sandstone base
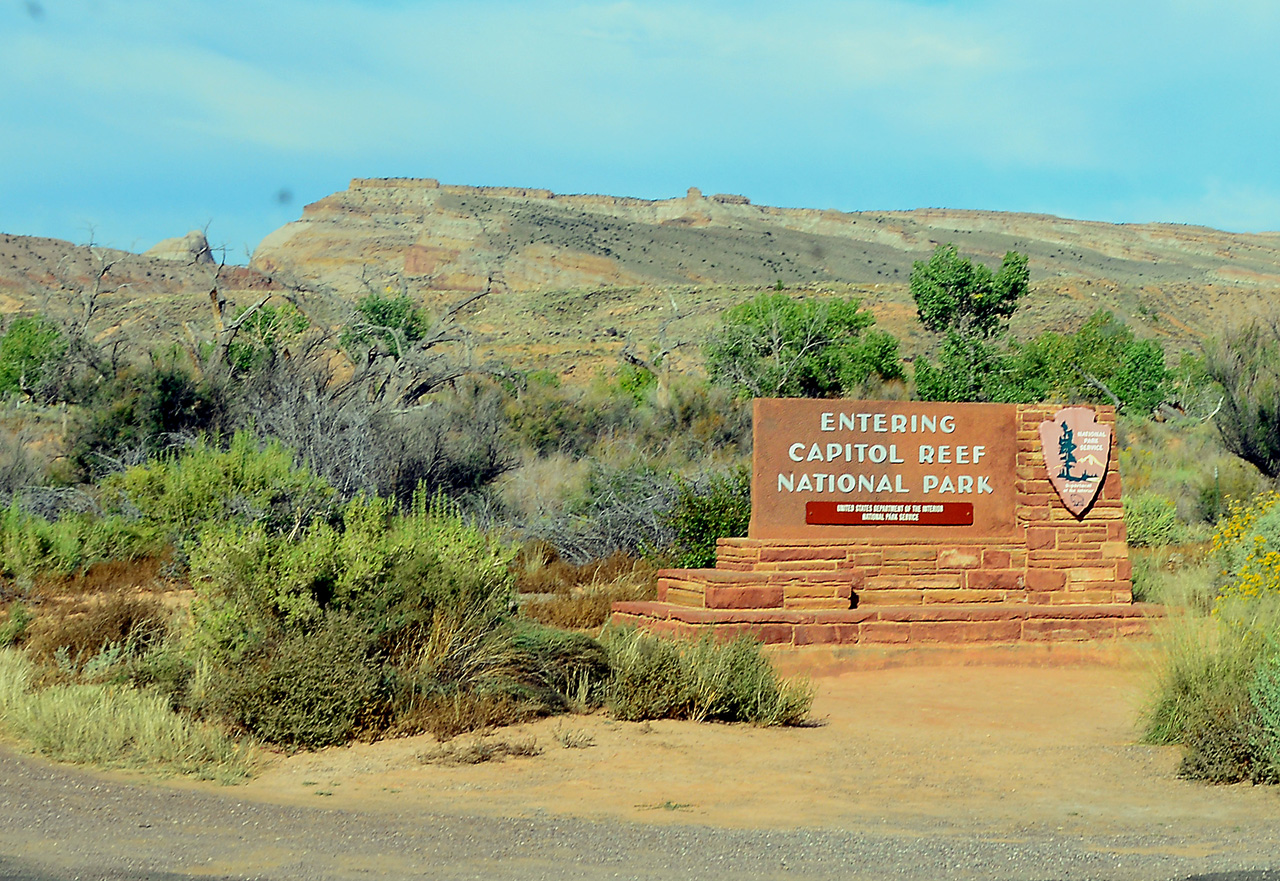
897	625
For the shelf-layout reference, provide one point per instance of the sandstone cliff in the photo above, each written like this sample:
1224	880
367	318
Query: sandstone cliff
461	238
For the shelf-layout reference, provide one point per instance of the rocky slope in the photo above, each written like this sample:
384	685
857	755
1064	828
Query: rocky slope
458	238
572	280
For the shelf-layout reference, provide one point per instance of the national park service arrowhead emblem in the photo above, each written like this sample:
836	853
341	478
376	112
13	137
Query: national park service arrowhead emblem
1076	449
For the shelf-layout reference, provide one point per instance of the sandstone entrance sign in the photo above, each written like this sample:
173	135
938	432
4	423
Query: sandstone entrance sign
908	523
848	469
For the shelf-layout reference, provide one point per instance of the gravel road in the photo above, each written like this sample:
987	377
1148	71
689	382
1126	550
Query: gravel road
61	823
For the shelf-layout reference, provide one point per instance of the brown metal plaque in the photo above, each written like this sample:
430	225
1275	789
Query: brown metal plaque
886	453
1076	450
888	513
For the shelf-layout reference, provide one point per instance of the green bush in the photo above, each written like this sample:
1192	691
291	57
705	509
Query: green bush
304	689
1101	359
178	494
29	350
655	678
32	547
141	411
263	333
383	325
1151	520
17	618
1226	742
1216	692
717	507
1100	363
427	602
391	570
774	346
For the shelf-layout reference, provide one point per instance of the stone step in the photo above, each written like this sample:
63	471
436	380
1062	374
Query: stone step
911	625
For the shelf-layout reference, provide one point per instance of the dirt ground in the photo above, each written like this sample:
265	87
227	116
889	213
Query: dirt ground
998	741
1011	762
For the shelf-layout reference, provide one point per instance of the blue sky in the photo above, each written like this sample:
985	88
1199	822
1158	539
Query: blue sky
133	121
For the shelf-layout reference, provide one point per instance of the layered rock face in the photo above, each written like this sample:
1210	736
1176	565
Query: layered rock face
461	238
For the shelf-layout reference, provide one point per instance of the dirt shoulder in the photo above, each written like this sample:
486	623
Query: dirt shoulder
1009	758
987	743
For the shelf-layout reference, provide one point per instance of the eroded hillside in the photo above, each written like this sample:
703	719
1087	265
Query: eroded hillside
569	281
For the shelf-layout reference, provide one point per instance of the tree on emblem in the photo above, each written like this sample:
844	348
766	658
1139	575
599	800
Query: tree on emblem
1067	450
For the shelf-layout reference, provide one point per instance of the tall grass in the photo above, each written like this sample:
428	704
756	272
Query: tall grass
112	726
1217	692
655	677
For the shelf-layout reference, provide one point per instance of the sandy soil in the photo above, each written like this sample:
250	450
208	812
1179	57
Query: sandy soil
1016	762
998	742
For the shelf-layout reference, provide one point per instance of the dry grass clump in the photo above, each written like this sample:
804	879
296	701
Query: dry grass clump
560	594
480	749
654	677
445	716
80	629
573	738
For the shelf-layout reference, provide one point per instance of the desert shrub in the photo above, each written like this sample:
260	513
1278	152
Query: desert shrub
1216	692
1184	460
1101	363
32	547
385	323
464	678
546	417
774	346
681	415
578	597
112	727
587	608
142	411
1265	693
427	638
1181	578
304	689
622	508
693	417
176	494
391	570
1226	742
1245	363
261	335
456	443
572	668
706	509
446	715
655	678
21	469
1151	520
1246	549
